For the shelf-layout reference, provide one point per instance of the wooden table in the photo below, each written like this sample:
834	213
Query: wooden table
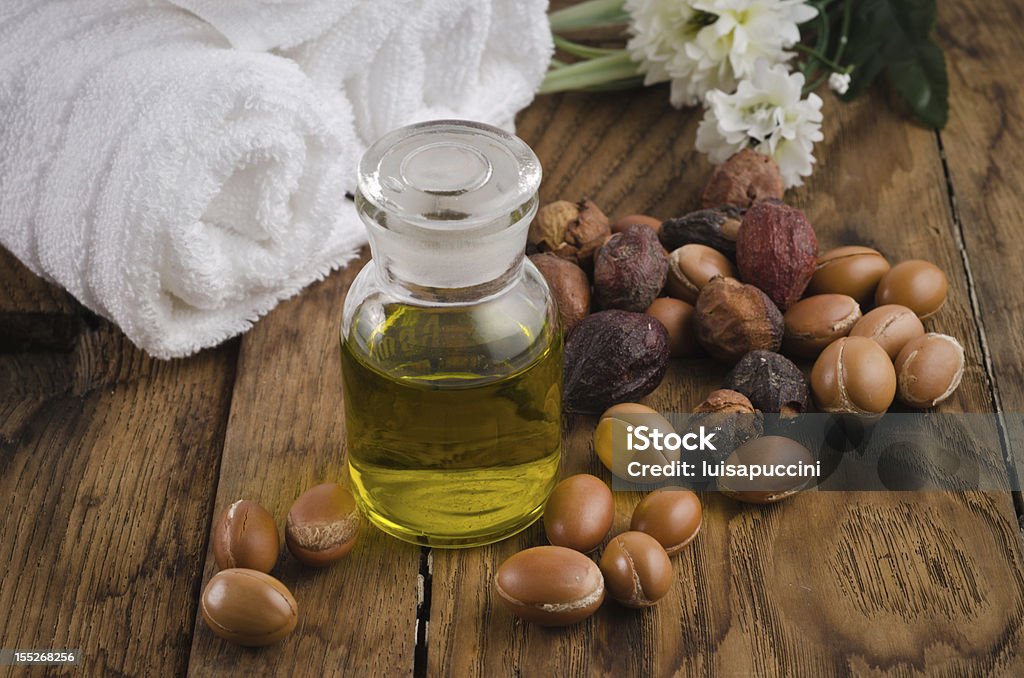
113	465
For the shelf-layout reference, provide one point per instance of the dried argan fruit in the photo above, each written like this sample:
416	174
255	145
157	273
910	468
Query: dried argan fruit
569	286
734	319
743	179
731	417
613	357
630	270
771	381
717	228
571	231
777	251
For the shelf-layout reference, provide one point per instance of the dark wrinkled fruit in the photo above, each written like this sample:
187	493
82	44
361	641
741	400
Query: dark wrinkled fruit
731	417
743	179
630	270
771	381
613	357
734	319
717	228
777	251
571	231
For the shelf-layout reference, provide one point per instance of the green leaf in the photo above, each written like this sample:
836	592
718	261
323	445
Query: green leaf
893	38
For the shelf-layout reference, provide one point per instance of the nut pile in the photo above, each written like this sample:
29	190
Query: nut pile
242	603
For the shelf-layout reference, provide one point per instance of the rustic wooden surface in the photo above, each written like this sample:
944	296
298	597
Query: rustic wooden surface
113	466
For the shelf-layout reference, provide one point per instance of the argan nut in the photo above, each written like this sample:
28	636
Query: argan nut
734	319
622	224
815	322
717	228
672	515
691	267
771	381
611	440
929	369
743	179
613	357
919	285
569	286
776	251
579	513
246	536
679	320
571	231
853	375
248	607
892	326
636	569
550	585
731	417
630	270
322	525
852	270
765	489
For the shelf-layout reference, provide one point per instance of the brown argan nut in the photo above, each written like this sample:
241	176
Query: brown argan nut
611	437
731	417
622	224
919	285
743	179
764	489
579	513
734	319
246	536
691	267
248	607
630	270
771	381
569	286
852	270
322	525
636	569
929	369
717	228
776	251
678	318
725	401
813	323
571	231
892	326
613	357
853	375
550	585
672	515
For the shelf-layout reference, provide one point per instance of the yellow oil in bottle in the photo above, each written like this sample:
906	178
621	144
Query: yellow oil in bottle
453	420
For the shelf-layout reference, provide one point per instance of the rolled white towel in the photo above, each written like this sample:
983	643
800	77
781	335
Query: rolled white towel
174	185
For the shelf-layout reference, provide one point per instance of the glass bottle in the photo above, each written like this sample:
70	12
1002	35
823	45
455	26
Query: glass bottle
450	340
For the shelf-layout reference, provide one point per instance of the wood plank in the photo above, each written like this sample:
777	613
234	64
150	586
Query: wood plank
823	584
108	462
34	314
286	433
984	147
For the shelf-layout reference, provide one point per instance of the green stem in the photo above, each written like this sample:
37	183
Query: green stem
591	73
818	56
844	30
577	49
588	14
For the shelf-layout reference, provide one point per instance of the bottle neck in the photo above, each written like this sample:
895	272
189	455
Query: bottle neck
390	279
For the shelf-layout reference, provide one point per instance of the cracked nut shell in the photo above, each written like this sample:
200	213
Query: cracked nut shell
766	450
813	323
246	536
571	231
579	513
322	525
771	381
743	179
929	370
852	270
734	319
691	267
550	585
853	375
717	228
678	317
919	285
731	417
672	515
892	326
569	286
248	607
630	270
636	569
777	251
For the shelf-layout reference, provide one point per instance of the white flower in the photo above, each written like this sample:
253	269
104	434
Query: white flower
839	82
701	45
767	114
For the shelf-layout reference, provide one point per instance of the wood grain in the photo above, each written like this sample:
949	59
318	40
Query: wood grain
107	468
285	434
33	313
824	584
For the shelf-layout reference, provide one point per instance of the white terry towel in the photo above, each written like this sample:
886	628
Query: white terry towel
181	187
